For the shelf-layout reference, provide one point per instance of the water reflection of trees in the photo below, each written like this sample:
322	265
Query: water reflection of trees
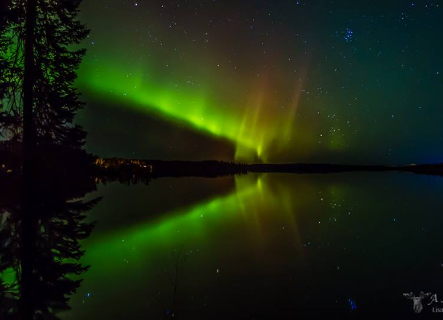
54	229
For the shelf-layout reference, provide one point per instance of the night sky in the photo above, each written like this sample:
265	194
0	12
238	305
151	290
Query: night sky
272	81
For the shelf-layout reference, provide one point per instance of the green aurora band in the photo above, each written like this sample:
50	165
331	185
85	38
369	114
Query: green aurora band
221	83
250	128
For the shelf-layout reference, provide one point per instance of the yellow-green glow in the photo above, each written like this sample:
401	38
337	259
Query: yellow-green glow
250	124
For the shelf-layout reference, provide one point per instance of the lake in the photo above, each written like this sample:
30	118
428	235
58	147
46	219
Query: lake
263	245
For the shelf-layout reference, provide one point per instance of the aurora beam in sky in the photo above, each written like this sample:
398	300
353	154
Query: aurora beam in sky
248	122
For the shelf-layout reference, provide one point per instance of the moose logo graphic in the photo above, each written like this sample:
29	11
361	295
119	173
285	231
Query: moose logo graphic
418	306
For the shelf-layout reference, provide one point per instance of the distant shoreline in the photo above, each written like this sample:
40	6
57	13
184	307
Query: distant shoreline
212	168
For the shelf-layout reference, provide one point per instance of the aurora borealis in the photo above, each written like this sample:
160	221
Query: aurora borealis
221	159
264	81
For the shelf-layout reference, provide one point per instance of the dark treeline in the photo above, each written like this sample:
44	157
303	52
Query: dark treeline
47	159
127	168
136	170
431	169
313	168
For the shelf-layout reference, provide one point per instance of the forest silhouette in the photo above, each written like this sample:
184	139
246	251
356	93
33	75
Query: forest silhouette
42	161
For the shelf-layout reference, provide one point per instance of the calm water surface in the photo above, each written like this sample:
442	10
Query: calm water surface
253	246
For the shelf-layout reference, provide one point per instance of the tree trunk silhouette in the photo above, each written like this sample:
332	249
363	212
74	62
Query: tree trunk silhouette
27	220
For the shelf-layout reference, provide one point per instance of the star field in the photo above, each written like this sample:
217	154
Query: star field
273	81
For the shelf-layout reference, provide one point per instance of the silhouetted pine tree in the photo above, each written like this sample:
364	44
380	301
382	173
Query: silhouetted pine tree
55	99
